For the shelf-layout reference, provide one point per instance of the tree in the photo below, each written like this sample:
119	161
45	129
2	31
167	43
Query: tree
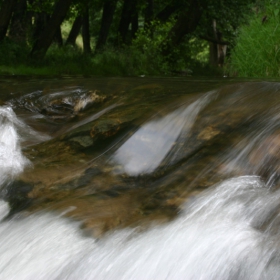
219	24
58	37
85	30
149	12
166	27
20	22
186	23
5	16
108	11
74	32
45	39
167	11
134	22
41	19
129	11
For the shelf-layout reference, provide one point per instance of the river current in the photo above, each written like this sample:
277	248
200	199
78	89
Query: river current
231	230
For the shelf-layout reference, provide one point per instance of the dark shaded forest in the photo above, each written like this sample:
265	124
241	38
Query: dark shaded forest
157	37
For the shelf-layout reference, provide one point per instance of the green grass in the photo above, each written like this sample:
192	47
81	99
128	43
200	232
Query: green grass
25	70
71	61
257	51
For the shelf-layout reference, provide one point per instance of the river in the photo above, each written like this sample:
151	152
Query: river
139	178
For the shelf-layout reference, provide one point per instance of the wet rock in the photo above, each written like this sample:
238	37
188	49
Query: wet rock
84	141
62	105
208	133
75	170
16	194
266	157
88	100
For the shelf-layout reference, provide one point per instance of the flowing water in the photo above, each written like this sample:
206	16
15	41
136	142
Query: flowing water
185	172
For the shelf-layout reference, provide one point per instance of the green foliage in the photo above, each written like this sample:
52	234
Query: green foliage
257	51
229	15
13	53
110	62
122	62
145	55
185	57
198	50
39	6
72	61
148	43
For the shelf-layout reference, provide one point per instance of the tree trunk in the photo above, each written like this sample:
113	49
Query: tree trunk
40	23
58	37
109	8
29	18
217	49
165	14
71	40
6	11
213	46
134	23
149	13
213	59
185	24
19	22
45	39
85	31
129	7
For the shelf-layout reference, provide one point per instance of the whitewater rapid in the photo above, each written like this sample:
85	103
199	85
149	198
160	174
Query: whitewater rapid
217	236
231	231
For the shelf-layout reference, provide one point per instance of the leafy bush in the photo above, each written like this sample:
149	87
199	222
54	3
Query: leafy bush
257	51
12	53
185	57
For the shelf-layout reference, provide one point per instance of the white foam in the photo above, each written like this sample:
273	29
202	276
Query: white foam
217	237
4	209
12	161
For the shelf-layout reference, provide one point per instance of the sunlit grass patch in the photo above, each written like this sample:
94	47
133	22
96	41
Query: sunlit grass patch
257	51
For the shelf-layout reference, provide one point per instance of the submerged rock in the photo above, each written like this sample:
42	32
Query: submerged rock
62	105
138	156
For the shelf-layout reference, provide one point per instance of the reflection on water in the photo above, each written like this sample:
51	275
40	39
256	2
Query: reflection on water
146	149
92	118
125	156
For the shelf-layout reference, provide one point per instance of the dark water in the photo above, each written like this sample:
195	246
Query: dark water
139	178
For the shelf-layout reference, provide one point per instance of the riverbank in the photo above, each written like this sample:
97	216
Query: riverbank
68	60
